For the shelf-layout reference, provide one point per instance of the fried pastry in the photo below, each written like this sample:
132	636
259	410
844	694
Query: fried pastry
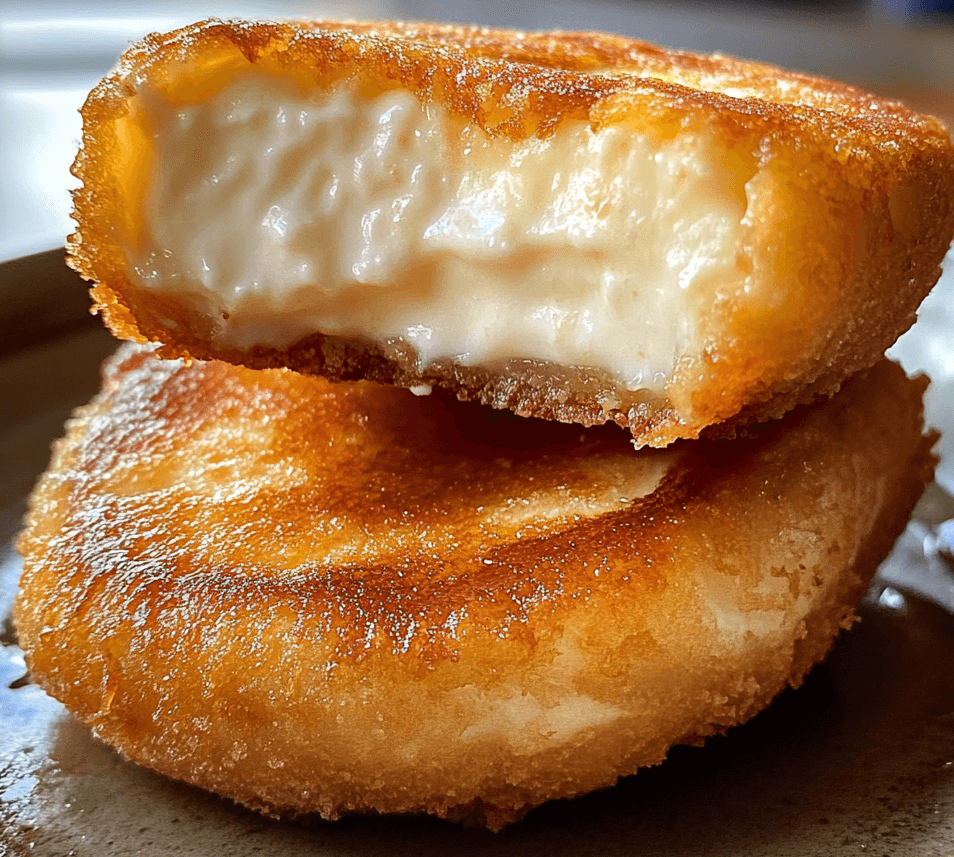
317	597
572	226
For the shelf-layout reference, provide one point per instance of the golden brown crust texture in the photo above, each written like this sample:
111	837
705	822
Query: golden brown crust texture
854	213
318	597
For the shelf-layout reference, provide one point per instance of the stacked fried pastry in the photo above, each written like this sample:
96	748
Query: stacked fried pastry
276	577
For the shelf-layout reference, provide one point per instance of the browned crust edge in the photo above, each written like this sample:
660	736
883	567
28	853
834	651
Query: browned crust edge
722	484
513	85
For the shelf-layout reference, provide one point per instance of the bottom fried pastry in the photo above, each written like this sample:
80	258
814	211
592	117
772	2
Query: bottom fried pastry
316	597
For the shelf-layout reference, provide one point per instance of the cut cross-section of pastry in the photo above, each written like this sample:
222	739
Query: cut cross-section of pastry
572	226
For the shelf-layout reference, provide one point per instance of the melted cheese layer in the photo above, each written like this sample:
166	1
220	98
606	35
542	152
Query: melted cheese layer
280	214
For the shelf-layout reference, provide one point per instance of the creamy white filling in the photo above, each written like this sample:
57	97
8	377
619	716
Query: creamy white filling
281	215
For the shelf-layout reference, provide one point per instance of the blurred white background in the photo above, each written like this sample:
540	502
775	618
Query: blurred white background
52	53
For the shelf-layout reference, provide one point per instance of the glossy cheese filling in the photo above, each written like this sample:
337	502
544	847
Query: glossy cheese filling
280	214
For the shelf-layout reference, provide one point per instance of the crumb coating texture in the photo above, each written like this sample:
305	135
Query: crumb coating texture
854	213
333	598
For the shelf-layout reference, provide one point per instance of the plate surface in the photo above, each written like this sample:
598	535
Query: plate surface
860	760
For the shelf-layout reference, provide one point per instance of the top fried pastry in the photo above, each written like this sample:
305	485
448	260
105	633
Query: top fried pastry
573	226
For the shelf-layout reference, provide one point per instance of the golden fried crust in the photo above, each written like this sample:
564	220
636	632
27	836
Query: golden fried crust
316	597
856	213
